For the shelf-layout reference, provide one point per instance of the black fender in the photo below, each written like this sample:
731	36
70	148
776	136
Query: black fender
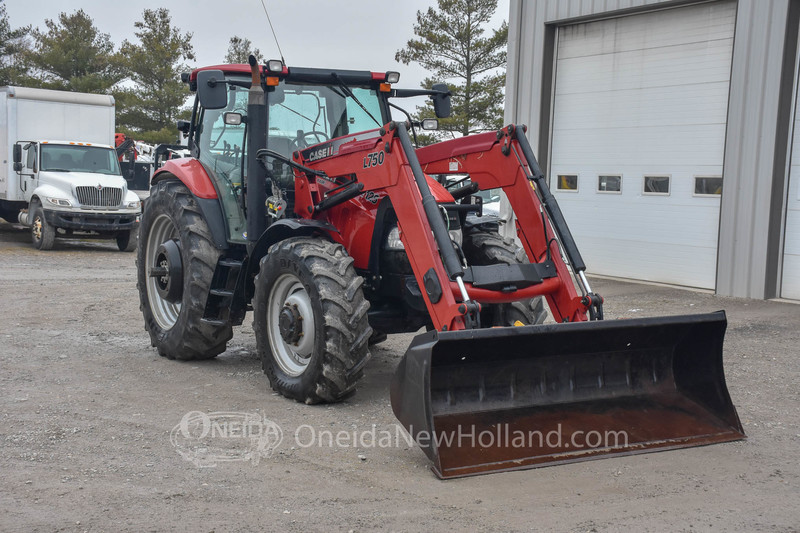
281	230
212	213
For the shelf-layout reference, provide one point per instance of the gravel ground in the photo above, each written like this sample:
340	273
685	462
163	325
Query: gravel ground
88	411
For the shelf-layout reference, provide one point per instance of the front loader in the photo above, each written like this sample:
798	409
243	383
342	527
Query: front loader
305	203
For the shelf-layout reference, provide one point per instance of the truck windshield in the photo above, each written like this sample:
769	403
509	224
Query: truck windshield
79	158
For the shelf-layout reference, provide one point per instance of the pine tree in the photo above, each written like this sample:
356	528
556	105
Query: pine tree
154	65
450	43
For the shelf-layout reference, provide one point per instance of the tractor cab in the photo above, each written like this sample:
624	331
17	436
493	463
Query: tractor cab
305	107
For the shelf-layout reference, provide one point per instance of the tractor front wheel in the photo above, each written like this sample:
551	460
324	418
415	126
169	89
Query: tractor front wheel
175	263
310	320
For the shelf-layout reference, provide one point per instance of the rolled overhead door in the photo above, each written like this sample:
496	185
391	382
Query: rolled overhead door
638	137
790	288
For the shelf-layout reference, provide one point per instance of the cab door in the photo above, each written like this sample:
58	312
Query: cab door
29	175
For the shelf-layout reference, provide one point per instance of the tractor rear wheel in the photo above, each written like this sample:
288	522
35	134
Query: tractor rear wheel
175	263
489	248
310	320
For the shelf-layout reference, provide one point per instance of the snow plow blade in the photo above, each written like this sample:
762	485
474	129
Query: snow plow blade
499	399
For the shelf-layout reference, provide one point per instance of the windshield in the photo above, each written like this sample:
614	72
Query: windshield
78	158
302	115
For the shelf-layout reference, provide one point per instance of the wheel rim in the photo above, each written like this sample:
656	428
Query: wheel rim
288	293
164	312
37	228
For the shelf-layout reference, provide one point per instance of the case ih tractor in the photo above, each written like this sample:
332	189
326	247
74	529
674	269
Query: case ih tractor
305	203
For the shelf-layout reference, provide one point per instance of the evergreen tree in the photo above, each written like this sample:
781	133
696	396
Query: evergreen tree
13	44
450	43
239	50
154	65
72	55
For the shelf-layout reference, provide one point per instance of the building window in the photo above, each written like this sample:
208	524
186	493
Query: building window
610	183
567	182
656	185
707	185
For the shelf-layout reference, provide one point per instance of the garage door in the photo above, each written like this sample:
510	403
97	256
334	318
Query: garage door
638	138
790	288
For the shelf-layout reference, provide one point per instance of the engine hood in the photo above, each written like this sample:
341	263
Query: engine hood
69	180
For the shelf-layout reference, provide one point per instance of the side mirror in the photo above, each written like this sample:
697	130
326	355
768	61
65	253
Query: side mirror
441	100
232	119
183	126
430	124
17	158
212	89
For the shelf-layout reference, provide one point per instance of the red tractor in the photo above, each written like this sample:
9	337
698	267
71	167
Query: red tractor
305	203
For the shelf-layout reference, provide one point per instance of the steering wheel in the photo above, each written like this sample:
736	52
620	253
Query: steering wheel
300	140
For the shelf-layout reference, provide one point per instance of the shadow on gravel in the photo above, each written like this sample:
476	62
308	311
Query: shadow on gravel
18	236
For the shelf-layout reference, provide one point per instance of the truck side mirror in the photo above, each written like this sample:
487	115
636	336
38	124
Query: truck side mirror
183	126
17	158
212	89
441	100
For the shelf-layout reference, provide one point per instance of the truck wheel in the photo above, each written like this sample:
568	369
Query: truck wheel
310	320
489	248
43	235
175	264
127	240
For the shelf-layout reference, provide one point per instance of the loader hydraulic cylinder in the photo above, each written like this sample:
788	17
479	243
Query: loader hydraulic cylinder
550	203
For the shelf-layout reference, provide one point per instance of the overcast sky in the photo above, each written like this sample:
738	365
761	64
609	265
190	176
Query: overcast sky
350	34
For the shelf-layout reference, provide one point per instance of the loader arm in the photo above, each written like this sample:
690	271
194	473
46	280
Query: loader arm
382	165
503	159
385	163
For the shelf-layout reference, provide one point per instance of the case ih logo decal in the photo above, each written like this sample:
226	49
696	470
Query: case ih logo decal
323	151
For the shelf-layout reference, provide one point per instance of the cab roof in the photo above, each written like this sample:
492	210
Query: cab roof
298	74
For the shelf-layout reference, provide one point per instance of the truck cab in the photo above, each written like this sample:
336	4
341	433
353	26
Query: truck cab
75	189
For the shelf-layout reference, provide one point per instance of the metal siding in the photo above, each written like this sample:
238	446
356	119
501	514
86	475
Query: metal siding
644	95
752	142
790	287
754	176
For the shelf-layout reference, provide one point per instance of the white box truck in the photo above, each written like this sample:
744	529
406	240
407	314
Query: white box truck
60	174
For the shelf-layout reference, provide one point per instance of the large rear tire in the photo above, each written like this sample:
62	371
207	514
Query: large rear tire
174	320
310	320
489	248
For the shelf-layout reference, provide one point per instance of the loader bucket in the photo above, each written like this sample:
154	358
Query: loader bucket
500	399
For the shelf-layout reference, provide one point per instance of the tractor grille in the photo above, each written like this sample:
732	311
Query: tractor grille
94	197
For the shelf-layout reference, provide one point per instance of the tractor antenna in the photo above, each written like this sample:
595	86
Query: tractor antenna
273	31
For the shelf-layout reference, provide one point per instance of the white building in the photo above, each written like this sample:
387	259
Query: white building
666	129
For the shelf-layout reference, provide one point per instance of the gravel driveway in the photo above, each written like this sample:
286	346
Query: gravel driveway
91	436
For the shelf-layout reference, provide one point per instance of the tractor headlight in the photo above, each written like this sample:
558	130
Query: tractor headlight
393	241
61	202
